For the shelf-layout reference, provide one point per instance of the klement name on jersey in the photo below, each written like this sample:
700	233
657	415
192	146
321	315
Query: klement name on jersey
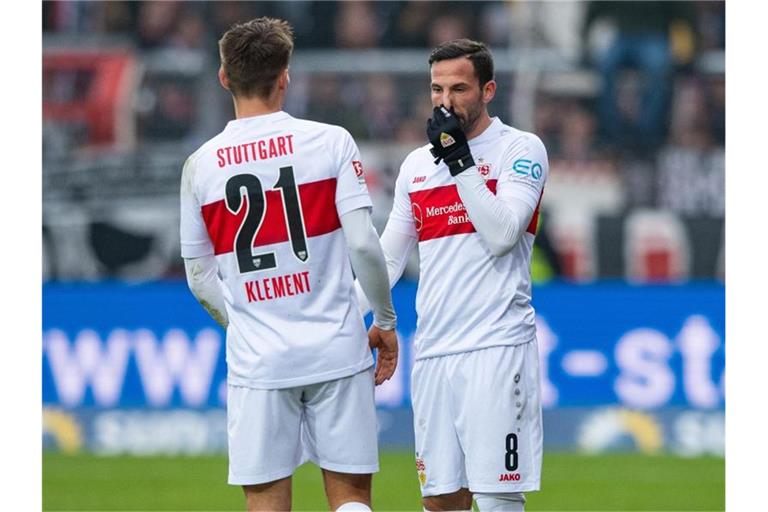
318	205
276	287
262	149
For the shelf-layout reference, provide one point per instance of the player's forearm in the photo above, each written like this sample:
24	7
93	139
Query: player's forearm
371	271
499	223
205	285
368	262
397	248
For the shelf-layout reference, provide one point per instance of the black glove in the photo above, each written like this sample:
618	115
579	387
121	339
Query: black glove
449	143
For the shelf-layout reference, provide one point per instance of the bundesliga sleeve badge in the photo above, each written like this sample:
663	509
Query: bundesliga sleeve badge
358	166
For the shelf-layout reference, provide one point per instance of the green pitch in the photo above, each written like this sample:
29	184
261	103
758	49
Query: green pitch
569	482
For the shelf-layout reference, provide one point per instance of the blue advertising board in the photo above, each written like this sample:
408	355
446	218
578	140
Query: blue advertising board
140	369
111	345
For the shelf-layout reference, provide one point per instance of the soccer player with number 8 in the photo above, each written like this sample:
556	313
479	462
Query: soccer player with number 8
470	199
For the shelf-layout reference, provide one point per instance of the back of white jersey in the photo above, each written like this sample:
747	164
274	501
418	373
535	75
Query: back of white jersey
265	197
468	298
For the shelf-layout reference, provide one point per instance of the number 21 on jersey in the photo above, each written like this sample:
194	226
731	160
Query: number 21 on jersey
255	205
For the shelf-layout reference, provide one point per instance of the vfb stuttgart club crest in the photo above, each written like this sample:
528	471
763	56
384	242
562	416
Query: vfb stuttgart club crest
484	170
421	469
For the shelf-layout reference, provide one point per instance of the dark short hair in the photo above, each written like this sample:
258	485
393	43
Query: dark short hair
477	52
254	53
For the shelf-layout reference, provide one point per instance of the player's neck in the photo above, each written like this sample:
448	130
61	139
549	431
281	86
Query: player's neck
482	124
250	107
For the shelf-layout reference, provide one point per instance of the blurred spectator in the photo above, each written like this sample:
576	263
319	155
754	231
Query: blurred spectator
156	23
412	130
411	23
190	32
381	109
329	103
357	25
716	101
546	121
119	17
495	24
71	17
691	167
710	25
577	140
224	14
169	110
689	125
448	27
641	40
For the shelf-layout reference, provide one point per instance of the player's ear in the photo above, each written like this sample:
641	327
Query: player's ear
223	80
284	79
489	91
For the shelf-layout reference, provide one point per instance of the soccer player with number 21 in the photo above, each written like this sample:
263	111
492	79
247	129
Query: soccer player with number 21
273	211
470	199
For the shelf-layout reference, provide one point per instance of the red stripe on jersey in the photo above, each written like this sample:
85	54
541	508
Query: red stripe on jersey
534	224
439	212
318	205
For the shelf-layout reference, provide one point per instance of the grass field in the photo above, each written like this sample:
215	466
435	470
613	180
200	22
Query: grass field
569	482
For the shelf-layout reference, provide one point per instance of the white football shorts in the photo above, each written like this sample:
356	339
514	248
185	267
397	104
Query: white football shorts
477	420
273	431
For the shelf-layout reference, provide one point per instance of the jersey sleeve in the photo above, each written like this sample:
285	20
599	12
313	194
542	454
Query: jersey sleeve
401	216
524	170
195	241
351	191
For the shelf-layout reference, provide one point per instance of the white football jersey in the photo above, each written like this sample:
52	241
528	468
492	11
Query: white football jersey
265	196
467	298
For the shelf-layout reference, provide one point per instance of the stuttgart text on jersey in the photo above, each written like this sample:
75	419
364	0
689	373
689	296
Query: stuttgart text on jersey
262	149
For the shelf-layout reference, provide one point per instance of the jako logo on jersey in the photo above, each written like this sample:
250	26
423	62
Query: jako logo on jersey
418	216
523	167
509	477
419	179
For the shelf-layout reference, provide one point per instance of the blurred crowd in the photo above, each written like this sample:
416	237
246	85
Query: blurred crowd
666	99
634	111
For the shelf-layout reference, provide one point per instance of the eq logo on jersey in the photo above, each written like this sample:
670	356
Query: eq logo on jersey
525	167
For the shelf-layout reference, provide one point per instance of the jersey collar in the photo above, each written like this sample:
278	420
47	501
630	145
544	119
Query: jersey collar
257	120
488	133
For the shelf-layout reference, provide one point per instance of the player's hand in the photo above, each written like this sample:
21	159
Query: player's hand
449	142
386	359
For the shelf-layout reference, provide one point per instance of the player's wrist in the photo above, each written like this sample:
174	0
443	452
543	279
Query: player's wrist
388	324
459	161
